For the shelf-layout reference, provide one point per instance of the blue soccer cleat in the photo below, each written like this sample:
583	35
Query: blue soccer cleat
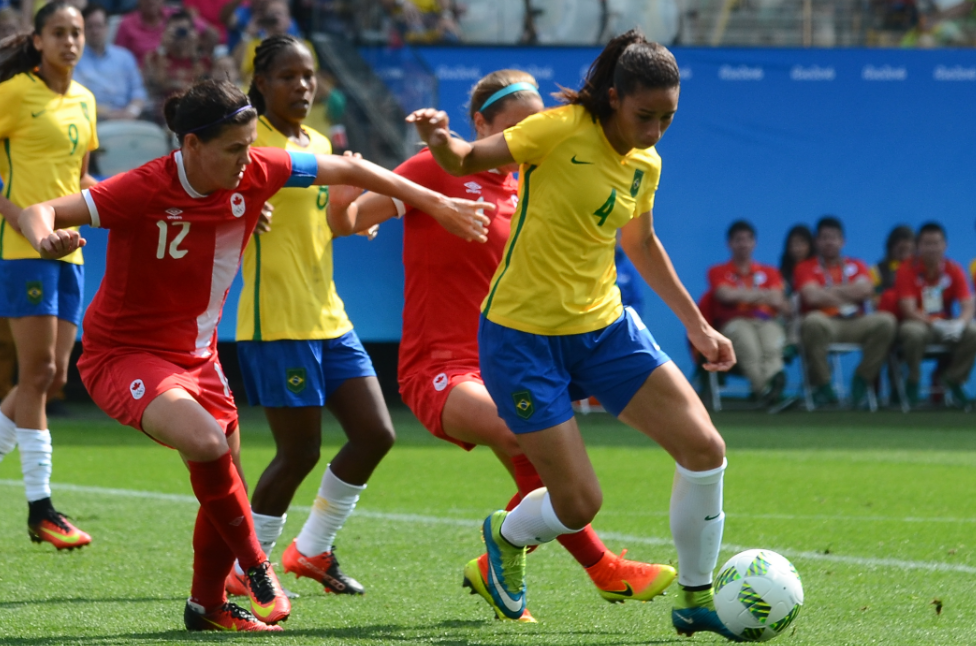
694	611
506	569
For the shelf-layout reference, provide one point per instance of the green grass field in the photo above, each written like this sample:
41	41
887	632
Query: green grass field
877	512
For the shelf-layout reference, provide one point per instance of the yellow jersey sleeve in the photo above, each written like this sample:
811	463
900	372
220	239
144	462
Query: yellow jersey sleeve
532	139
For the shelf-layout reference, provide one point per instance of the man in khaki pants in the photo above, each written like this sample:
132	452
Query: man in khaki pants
833	291
746	299
928	288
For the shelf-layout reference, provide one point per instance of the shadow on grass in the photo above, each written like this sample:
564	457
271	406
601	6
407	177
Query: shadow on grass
68	600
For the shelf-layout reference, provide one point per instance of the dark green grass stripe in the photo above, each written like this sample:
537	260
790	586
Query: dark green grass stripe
518	230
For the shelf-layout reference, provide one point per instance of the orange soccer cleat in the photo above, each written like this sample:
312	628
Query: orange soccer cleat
55	529
618	579
236	584
476	579
323	567
229	617
269	603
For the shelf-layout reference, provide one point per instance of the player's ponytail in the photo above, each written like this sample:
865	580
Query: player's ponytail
488	96
264	58
206	108
17	52
628	62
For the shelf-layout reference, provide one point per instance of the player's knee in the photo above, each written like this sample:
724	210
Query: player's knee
302	462
58	382
376	439
706	451
207	447
586	503
37	376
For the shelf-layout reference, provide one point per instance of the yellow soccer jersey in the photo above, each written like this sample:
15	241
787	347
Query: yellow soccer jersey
557	274
288	288
44	137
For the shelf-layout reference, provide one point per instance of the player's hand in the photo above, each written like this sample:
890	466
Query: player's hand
370	233
432	125
60	243
264	220
717	349
464	218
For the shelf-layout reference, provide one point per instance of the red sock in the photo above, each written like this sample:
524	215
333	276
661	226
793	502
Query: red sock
513	503
219	489
585	546
212	561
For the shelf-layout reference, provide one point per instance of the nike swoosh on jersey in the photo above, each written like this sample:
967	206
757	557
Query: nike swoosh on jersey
67	538
37	114
574	161
502	593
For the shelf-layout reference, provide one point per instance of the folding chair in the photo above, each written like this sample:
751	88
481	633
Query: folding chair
834	353
932	351
124	145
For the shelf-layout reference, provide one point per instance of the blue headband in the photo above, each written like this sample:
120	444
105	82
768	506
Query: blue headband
220	120
509	89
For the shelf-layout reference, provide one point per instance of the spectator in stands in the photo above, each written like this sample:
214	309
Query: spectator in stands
274	20
110	72
798	247
9	22
242	21
929	287
427	21
177	63
899	247
141	31
747	301
834	291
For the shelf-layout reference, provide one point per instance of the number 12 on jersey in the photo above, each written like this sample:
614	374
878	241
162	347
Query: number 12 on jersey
174	245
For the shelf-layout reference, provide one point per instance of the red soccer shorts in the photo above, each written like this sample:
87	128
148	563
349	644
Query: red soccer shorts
123	383
425	393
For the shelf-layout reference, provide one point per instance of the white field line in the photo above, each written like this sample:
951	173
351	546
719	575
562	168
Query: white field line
927	566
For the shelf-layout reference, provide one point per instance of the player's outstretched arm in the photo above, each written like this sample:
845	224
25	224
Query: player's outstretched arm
647	253
457	156
469	216
43	225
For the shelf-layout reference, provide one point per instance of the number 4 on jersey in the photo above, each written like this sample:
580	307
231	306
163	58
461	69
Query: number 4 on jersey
604	211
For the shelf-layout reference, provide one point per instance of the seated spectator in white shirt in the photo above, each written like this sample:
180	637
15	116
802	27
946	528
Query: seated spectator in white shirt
109	71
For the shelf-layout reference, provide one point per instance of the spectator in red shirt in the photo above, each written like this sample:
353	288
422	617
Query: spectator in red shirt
899	247
928	287
141	31
834	290
747	298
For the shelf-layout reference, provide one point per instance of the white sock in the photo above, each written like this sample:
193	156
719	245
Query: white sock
8	435
333	505
268	529
697	521
534	521
35	462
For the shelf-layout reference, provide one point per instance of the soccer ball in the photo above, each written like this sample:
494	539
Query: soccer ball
758	594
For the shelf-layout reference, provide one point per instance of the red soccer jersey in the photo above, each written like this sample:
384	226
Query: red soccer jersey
934	295
445	277
172	254
758	276
846	271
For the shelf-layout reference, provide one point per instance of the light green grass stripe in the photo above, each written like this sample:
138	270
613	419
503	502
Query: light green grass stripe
866	562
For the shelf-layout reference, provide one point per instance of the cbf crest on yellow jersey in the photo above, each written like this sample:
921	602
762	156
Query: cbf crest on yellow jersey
557	274
44	137
289	291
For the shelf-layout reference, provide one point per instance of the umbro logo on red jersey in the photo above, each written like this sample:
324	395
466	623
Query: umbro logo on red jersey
473	187
173	214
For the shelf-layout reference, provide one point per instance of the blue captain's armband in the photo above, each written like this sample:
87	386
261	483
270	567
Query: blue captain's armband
304	168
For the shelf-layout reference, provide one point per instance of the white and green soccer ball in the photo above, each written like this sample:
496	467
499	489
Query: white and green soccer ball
758	594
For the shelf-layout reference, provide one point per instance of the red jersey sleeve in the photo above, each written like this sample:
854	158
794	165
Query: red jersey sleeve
121	199
804	274
422	169
960	284
273	168
716	277
905	281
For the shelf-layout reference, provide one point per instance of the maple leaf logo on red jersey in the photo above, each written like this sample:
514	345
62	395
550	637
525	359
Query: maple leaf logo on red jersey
237	205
